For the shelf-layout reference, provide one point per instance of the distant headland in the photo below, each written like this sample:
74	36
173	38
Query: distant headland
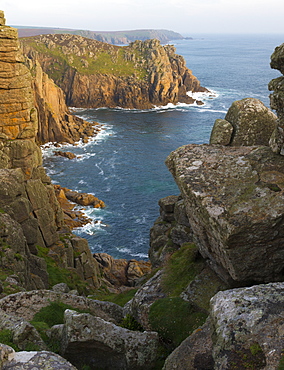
111	37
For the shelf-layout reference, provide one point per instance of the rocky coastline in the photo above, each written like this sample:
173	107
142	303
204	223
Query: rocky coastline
213	296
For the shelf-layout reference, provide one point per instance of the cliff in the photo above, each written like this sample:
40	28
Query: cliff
114	37
31	224
55	122
95	74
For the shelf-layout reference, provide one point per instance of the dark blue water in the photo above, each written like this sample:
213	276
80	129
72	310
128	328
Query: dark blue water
125	166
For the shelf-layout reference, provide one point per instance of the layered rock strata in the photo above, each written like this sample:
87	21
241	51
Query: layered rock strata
94	74
31	216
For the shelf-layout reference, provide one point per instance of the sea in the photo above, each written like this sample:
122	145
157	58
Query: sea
125	164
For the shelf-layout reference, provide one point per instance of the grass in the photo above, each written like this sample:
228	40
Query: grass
50	315
120	299
174	319
61	275
181	269
105	61
6	337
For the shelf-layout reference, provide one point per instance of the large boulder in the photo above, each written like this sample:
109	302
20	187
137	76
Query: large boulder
26	304
235	202
248	327
101	344
247	122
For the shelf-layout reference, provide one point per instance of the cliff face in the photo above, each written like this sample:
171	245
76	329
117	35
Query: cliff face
55	122
95	74
30	216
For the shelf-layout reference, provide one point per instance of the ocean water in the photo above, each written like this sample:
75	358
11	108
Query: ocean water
124	165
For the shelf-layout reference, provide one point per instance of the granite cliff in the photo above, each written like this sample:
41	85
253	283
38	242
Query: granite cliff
95	74
32	223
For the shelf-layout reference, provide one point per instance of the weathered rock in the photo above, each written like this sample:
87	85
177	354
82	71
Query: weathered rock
26	304
170	230
83	199
202	288
94	341
195	352
247	122
122	272
234	201
139	305
248	327
141	75
221	133
56	123
68	155
32	360
23	332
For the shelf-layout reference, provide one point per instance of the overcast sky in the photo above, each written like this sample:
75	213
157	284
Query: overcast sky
184	16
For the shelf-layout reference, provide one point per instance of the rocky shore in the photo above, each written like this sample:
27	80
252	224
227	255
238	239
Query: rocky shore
213	298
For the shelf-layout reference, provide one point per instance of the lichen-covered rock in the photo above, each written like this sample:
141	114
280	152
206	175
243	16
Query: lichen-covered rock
195	352
139	305
247	122
221	133
248	327
170	230
234	202
24	334
95	74
33	360
26	304
101	344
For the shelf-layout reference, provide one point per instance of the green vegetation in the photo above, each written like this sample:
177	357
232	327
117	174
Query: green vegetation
50	315
104	60
174	319
61	275
130	323
281	363
6	337
181	269
120	299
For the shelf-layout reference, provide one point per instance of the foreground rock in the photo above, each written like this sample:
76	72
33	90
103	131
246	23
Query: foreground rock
100	344
11	360
247	122
234	201
95	74
248	327
26	304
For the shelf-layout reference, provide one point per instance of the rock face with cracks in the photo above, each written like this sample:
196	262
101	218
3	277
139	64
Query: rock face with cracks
234	201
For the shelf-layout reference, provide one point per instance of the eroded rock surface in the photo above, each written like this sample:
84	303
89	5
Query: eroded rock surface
247	122
101	344
234	202
248	327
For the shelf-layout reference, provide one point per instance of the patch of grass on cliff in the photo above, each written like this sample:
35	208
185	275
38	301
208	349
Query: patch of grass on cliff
121	299
58	274
103	62
6	337
181	269
174	319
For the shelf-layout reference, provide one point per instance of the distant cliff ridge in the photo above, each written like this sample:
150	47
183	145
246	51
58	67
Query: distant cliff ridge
114	37
95	74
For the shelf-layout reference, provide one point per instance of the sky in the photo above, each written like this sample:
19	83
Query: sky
183	16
